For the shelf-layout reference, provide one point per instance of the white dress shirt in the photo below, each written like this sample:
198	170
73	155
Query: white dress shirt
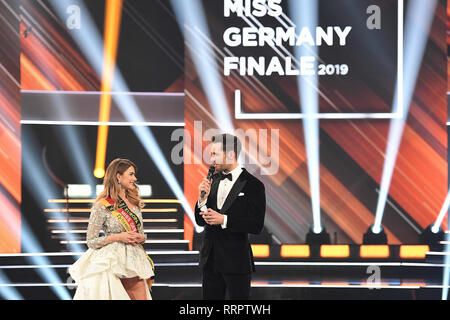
223	190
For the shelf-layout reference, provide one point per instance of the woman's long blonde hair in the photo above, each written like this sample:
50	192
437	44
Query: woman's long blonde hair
111	185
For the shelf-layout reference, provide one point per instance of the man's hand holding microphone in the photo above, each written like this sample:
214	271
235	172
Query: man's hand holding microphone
210	216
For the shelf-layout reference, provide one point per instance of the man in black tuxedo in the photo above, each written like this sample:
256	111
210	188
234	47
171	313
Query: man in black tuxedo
233	205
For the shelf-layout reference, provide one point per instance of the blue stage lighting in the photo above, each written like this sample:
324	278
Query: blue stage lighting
71	140
305	14
7	292
192	21
39	183
444	209
91	44
31	245
418	22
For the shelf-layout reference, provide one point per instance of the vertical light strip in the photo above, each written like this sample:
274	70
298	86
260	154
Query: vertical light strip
113	14
192	20
305	14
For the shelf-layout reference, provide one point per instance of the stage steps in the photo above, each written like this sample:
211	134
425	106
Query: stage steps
179	277
163	223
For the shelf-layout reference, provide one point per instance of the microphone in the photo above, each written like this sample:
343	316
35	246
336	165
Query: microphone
210	173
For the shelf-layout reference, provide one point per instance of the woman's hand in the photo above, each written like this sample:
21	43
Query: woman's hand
140	237
131	237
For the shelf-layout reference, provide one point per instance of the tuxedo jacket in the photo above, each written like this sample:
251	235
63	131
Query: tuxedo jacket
245	208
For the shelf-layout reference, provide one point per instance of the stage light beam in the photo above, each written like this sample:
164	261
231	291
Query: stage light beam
437	224
39	184
418	22
90	43
8	293
305	14
192	21
113	14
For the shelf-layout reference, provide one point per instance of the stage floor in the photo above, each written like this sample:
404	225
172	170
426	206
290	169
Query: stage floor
178	277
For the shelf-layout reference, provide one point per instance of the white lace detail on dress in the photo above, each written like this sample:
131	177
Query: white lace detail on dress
102	220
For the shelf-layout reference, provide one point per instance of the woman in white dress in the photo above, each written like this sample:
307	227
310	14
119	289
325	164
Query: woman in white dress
116	266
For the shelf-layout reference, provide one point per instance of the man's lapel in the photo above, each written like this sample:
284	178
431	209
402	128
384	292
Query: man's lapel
213	192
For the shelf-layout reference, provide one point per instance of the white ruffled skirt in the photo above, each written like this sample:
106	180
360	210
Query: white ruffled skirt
98	271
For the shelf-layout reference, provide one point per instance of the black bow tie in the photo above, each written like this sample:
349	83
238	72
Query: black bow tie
226	176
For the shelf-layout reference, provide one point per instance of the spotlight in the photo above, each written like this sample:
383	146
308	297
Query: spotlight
419	18
306	14
99	173
78	191
432	236
322	237
192	20
145	190
373	237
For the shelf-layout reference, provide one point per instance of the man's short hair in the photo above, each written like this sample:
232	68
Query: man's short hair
229	143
